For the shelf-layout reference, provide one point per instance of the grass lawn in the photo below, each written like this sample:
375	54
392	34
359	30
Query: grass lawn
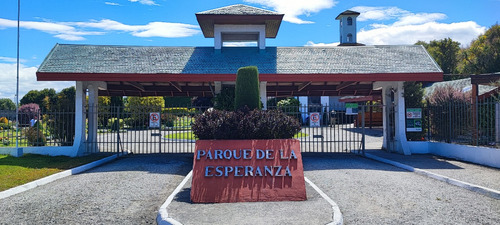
190	136
17	171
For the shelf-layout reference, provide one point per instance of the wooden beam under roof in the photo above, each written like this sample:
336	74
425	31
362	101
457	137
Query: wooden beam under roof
344	85
304	85
136	85
176	85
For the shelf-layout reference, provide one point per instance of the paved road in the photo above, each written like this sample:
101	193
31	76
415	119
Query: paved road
130	191
369	192
127	191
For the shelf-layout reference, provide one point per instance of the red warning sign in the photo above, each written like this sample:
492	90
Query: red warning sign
154	120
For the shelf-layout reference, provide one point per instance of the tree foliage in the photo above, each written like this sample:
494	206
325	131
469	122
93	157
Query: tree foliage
62	125
483	55
7	104
247	88
225	99
445	53
43	98
139	108
413	94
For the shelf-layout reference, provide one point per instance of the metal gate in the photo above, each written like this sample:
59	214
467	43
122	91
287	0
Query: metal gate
324	129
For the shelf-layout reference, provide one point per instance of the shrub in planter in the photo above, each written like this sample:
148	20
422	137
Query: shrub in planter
256	124
247	88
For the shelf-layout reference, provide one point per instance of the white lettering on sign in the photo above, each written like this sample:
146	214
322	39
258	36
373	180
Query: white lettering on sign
245	154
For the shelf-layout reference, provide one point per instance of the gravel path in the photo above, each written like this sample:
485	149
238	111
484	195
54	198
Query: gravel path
369	192
468	172
127	191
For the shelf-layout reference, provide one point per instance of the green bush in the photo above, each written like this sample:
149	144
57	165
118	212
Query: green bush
179	111
5	126
225	99
168	119
116	124
4	120
256	124
138	109
35	135
247	88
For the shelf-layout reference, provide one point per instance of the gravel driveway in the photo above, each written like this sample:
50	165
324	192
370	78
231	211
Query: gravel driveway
369	192
127	191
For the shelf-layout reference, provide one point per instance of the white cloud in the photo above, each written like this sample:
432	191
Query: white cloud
419	18
312	44
295	8
406	27
153	29
76	31
144	2
378	13
463	32
11	60
27	81
111	3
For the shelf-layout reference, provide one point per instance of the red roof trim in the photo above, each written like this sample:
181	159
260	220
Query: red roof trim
41	76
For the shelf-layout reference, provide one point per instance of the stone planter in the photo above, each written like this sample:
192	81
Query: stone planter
247	171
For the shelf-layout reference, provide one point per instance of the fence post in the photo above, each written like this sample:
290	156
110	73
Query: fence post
117	129
363	146
449	123
497	124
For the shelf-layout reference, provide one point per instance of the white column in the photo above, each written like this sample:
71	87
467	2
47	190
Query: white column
92	117
79	142
262	40
399	144
217	40
218	87
263	94
400	114
303	107
325	101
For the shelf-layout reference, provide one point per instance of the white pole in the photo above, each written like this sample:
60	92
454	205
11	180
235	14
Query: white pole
17	84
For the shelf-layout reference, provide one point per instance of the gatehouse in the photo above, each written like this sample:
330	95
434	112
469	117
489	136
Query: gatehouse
316	76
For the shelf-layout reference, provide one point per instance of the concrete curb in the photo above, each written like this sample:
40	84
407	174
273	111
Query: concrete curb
53	177
162	218
337	215
471	187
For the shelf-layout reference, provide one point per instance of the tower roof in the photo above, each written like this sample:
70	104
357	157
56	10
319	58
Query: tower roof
241	15
347	13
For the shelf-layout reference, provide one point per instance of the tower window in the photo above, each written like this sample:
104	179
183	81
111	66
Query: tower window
349	37
349	21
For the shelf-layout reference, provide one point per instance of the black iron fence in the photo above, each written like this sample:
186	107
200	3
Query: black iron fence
37	128
124	129
461	123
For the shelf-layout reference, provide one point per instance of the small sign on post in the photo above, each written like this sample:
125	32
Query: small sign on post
154	120
314	119
351	108
414	120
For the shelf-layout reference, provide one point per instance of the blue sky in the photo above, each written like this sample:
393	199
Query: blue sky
173	23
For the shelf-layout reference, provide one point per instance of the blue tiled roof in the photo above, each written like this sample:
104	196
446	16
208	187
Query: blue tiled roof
204	60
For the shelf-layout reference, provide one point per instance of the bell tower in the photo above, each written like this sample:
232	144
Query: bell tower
348	28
